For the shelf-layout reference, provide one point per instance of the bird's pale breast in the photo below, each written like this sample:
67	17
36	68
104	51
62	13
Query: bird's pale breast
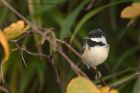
95	55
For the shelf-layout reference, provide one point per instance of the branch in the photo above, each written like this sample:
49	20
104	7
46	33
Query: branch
4	89
78	71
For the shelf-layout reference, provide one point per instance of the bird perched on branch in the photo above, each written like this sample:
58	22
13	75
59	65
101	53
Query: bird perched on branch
96	48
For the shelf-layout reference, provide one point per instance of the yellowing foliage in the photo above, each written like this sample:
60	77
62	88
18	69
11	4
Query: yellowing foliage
15	30
107	90
84	85
81	85
5	45
131	11
11	32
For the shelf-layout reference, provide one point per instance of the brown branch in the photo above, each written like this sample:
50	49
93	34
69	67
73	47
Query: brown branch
4	89
74	67
138	71
59	80
36	30
22	56
78	71
98	73
30	53
16	12
72	49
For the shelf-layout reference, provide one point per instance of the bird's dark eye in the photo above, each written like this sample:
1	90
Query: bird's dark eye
94	43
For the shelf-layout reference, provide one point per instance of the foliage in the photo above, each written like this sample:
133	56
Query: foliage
83	85
41	61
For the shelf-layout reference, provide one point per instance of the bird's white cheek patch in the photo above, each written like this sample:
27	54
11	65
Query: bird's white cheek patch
102	39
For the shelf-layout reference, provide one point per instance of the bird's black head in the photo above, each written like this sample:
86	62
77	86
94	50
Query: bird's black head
96	33
96	38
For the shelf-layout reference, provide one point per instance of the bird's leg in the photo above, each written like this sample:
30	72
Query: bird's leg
98	73
99	76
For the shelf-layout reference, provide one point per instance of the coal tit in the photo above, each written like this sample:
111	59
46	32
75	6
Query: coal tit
95	49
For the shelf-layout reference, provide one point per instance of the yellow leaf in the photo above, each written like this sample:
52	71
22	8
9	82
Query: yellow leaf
5	45
107	89
104	89
131	11
114	91
81	85
136	5
15	30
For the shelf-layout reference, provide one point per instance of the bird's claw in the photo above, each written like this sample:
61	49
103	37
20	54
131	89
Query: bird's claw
98	76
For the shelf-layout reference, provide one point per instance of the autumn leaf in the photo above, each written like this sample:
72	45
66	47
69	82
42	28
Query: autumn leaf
107	89
15	30
84	85
5	45
81	85
131	11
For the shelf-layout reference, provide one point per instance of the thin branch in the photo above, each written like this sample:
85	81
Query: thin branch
4	89
72	49
22	36
13	50
78	71
129	24
1	71
59	80
98	73
22	56
122	81
16	12
75	68
138	71
28	52
36	30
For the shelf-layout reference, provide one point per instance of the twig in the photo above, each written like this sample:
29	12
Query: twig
13	50
138	71
22	36
1	71
16	12
36	30
4	89
59	80
85	60
72	49
121	81
130	23
28	52
22	56
75	68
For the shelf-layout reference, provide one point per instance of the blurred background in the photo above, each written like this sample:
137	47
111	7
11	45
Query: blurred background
71	21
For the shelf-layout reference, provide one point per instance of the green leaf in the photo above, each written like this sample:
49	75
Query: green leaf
69	21
93	13
4	14
125	55
81	85
59	19
46	6
35	65
26	77
136	86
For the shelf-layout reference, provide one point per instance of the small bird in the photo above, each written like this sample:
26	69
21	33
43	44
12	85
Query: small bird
96	49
